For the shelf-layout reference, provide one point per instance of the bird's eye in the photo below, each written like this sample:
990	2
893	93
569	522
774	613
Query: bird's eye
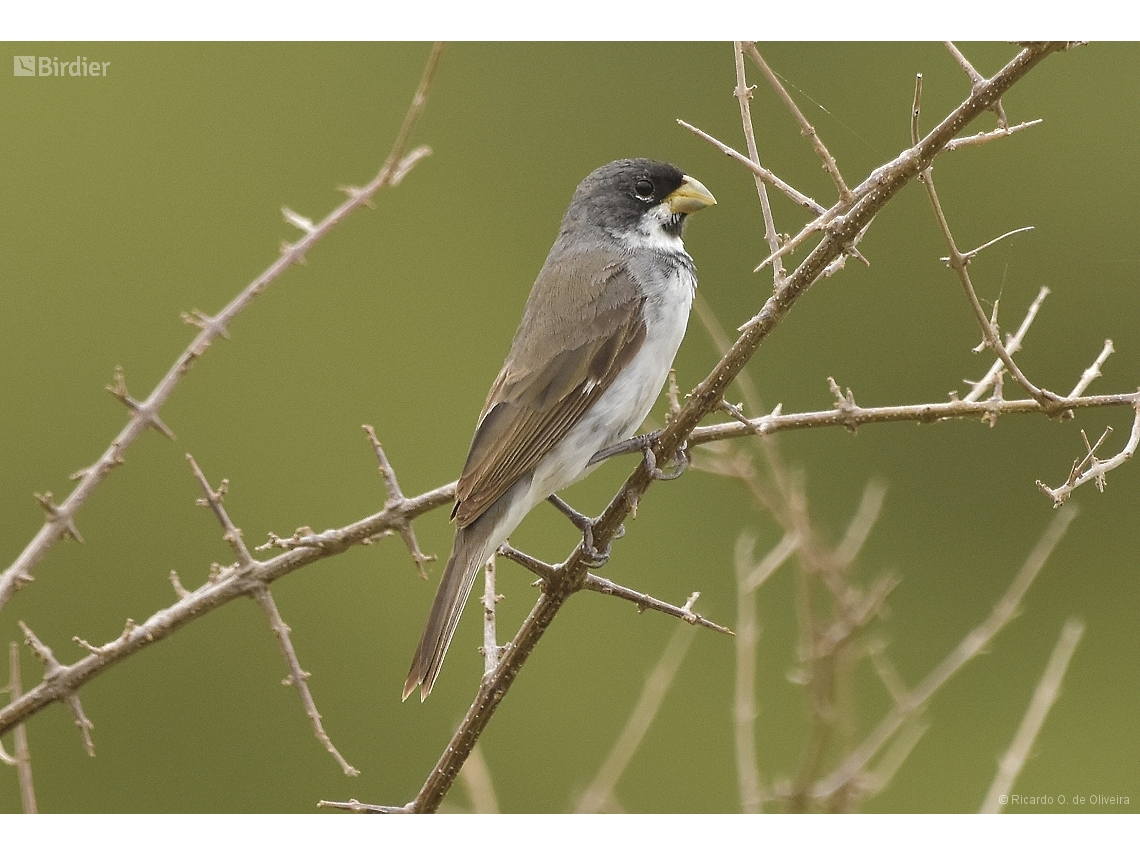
643	188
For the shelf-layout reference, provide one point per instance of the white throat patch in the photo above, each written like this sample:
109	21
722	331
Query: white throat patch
650	232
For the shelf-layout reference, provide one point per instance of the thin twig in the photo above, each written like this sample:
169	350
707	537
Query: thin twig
644	601
765	175
744	686
989	136
771	562
859	529
805	126
298	677
476	778
1044	696
21	757
1092	469
1093	371
213	500
857	416
958	261
600	791
1012	346
601	585
144	414
490	600
969	256
749	576
743	96
53	672
894	755
395	500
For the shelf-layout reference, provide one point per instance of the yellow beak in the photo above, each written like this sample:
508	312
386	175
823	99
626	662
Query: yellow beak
690	197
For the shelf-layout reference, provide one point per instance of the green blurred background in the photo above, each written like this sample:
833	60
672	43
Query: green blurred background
128	199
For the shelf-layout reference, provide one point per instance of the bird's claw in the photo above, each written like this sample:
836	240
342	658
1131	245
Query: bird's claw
591	557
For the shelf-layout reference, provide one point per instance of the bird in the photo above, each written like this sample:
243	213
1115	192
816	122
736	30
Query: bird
603	322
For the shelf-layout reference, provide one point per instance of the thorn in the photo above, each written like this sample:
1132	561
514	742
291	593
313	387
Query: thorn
118	388
356	193
90	648
844	403
176	583
159	425
291	248
295	219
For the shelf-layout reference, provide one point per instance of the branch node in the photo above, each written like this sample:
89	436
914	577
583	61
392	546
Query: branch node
845	403
51	669
396	503
55	513
209	324
149	413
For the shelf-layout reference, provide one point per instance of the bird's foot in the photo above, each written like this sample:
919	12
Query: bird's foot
680	463
592	557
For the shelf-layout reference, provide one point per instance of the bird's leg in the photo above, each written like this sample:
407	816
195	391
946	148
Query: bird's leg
634	443
644	444
594	558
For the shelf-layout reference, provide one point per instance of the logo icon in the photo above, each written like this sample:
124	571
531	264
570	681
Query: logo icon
25	66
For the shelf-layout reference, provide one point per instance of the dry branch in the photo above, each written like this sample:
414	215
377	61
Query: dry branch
1044	697
909	704
61	519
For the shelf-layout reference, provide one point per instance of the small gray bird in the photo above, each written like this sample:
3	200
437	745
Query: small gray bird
597	338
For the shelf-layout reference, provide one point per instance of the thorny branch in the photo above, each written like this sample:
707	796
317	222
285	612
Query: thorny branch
224	585
1089	468
805	126
744	95
958	262
60	520
395	500
298	677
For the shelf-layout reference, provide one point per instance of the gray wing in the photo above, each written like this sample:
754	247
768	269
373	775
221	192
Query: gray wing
537	398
